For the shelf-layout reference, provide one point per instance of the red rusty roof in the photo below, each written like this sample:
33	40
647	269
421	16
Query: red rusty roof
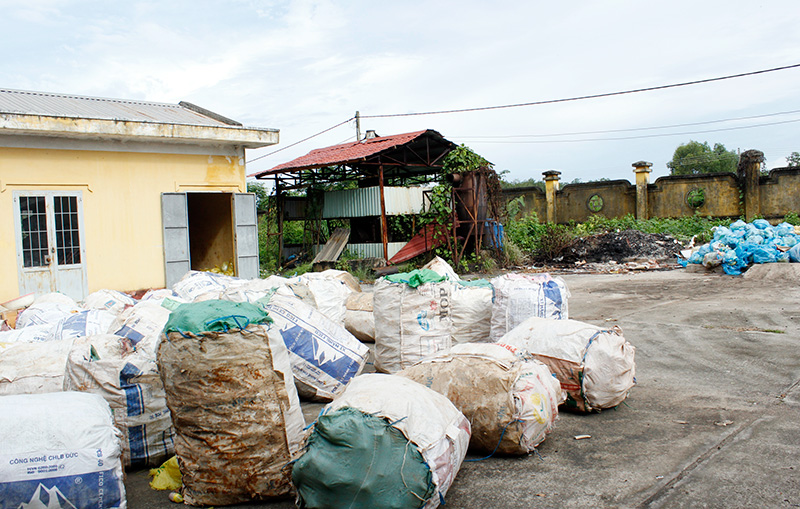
347	152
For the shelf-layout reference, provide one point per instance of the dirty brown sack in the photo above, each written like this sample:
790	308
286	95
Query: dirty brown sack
234	419
511	403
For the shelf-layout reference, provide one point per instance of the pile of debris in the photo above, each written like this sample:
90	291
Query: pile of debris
621	246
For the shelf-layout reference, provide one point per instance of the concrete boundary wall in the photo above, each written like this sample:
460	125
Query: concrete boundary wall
722	195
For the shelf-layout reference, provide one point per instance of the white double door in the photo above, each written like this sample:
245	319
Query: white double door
50	242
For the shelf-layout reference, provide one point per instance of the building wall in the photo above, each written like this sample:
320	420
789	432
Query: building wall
121	205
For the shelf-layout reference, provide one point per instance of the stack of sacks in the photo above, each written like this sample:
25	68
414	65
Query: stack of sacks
324	356
385	442
595	366
742	244
520	296
237	418
59	450
511	403
35	355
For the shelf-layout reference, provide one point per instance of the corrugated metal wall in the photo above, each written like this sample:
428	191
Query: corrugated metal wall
367	202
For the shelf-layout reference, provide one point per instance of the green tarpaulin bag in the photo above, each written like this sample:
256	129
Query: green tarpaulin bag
352	460
214	316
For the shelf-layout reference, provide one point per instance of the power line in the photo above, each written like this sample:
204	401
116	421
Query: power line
301	141
584	97
685	133
606	131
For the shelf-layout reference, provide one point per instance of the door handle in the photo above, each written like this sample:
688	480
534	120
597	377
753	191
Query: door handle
47	259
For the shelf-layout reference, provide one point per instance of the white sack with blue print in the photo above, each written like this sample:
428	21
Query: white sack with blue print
59	450
324	356
518	297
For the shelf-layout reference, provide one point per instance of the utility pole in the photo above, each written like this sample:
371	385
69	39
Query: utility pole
358	126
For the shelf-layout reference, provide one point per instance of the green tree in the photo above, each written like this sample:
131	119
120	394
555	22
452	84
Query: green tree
694	158
793	159
262	196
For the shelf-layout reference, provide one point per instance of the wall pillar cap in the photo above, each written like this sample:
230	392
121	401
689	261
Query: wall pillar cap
640	166
551	174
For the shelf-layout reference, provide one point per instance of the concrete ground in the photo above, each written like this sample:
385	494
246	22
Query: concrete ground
712	422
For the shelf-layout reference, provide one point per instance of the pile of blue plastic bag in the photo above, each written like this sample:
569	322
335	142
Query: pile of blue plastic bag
742	244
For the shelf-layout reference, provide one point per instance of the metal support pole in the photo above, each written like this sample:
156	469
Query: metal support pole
384	226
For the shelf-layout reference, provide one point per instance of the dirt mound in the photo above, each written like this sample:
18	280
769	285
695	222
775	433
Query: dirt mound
621	246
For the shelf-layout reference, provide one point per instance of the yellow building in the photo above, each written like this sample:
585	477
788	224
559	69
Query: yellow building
108	193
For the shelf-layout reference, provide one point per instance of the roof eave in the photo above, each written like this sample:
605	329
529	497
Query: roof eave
71	127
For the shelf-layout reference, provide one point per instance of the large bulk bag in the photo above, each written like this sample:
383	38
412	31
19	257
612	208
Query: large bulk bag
519	296
59	450
595	366
229	389
413	318
324	356
359	320
511	403
472	311
124	373
108	300
33	368
385	442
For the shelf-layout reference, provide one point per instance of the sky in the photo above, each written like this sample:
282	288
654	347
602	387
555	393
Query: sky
305	66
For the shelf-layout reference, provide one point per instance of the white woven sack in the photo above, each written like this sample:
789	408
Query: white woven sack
142	322
126	376
472	313
520	296
324	356
61	447
109	300
595	366
441	267
426	418
45	313
85	323
33	368
359	319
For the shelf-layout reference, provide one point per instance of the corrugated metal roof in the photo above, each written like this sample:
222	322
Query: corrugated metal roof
25	102
347	152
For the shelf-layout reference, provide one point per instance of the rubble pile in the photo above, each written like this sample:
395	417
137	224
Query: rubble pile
621	247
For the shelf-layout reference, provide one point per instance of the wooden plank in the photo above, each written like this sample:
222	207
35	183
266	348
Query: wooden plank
334	247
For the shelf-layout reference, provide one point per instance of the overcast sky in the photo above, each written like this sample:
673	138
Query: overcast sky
304	66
